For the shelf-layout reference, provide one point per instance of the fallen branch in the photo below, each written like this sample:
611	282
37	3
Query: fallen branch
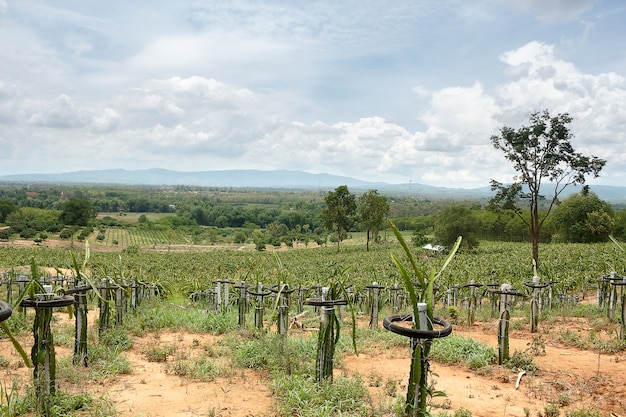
296	322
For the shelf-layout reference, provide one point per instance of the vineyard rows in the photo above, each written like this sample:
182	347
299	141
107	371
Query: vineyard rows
573	267
125	237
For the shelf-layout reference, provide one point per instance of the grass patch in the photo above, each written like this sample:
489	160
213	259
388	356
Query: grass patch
61	405
276	354
202	368
159	353
157	315
459	350
302	396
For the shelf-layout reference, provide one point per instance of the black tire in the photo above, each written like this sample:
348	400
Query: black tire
55	302
5	311
324	303
388	323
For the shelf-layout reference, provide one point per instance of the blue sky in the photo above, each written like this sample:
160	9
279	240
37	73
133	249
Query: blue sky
383	91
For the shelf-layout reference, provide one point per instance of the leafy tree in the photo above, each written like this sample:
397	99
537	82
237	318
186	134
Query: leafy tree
423	226
77	212
455	221
340	211
584	218
373	208
619	229
540	151
5	234
6	207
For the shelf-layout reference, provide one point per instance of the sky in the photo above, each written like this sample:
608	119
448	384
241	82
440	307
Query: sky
387	91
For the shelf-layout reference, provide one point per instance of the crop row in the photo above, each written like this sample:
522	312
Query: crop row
573	267
125	237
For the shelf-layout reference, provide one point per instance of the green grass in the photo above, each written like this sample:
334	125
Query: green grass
167	314
302	396
63	404
274	353
459	350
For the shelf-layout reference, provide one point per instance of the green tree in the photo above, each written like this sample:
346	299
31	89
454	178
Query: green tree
77	212
6	207
340	211
423	227
540	151
584	218
455	221
373	209
619	229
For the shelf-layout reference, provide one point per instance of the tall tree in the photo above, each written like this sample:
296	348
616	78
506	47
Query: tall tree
6	207
340	211
540	151
373	208
455	221
77	211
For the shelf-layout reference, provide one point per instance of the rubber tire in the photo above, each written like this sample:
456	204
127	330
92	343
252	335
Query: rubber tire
5	311
388	323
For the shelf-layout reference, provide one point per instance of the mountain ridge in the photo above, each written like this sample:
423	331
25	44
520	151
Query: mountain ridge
273	179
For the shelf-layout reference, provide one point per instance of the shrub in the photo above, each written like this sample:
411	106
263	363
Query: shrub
583	412
521	360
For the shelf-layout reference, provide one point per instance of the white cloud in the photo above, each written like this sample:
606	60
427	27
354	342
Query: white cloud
106	121
386	92
62	113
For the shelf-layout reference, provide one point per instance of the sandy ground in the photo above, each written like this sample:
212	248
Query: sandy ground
586	378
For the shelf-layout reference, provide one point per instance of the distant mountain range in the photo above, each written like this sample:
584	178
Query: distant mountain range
279	179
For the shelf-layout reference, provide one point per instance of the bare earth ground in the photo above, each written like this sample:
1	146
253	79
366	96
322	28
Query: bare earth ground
584	377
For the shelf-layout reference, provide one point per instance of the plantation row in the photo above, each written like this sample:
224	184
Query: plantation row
125	237
573	267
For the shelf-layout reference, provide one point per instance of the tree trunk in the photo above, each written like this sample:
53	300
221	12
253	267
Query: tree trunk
534	233
338	238
367	242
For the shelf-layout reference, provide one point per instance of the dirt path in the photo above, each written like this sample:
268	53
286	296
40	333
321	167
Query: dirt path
567	375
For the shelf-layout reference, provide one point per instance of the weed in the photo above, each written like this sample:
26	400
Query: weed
583	412
159	353
374	380
552	410
518	324
4	363
275	354
536	347
521	360
452	312
116	338
571	339
391	387
563	400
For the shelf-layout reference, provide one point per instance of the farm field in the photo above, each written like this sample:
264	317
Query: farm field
571	377
178	356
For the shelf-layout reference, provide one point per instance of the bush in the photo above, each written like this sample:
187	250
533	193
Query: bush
240	237
28	233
